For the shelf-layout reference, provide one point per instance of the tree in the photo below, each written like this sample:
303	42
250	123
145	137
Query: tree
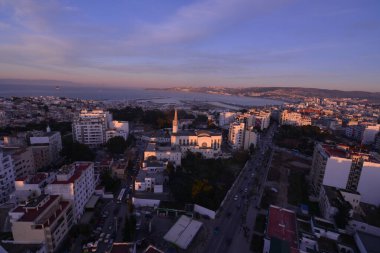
129	228
343	215
111	184
116	145
75	151
251	149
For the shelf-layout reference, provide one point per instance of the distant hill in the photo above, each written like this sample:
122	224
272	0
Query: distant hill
283	92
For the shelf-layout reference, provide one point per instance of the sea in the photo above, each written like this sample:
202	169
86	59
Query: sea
127	94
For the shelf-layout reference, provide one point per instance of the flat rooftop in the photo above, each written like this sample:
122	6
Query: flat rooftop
282	225
183	231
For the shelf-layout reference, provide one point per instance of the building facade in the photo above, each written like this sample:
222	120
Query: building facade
46	219
46	148
96	127
337	166
23	162
236	135
206	142
7	177
75	182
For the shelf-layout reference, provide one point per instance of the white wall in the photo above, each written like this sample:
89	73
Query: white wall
337	172
204	211
145	202
369	183
369	134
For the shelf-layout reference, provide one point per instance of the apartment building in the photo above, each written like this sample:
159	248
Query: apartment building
46	219
32	185
74	182
96	127
340	167
226	118
89	127
46	147
23	161
294	119
7	177
236	135
150	177
260	119
369	134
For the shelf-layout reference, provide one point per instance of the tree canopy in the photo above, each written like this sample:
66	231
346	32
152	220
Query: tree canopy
116	145
75	151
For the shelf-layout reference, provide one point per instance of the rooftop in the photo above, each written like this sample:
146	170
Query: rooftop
282	225
183	231
33	210
122	247
78	168
34	179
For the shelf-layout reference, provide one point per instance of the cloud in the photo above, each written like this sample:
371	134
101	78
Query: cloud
199	20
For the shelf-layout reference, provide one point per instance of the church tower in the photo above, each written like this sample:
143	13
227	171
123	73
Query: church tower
175	122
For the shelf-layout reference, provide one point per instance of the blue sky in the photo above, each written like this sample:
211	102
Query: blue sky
234	43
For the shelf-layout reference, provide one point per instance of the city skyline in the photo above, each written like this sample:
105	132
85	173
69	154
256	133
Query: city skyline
200	43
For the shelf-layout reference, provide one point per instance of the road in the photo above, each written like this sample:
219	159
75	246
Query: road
232	223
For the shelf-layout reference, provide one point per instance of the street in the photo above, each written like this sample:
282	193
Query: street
237	217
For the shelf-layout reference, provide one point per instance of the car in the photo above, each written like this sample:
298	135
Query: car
245	189
236	197
105	241
101	235
109	227
108	236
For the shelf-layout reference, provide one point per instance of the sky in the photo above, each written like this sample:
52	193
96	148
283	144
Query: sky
331	44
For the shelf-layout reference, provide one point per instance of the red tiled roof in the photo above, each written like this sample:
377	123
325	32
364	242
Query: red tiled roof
332	151
79	168
122	248
282	225
32	214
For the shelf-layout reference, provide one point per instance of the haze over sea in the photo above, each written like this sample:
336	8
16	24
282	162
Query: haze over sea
98	93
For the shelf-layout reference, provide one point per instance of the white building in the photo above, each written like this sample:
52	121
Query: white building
294	119
163	153
118	128
369	134
225	118
7	177
45	219
261	119
89	127
339	167
151	176
236	135
46	147
31	186
75	182
369	183
23	161
208	143
96	127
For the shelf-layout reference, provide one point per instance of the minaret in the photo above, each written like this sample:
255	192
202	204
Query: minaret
175	122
